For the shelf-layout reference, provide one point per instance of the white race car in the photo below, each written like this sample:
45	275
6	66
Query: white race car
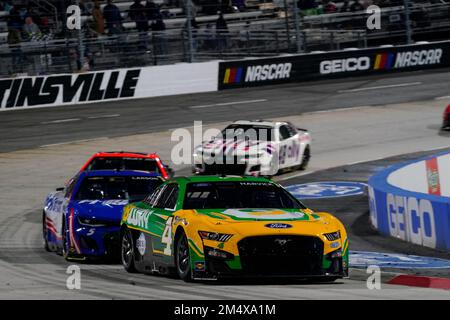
256	148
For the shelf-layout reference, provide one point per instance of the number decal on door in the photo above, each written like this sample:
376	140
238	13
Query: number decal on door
167	237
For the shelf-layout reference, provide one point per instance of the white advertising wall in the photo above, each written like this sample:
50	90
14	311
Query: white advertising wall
109	85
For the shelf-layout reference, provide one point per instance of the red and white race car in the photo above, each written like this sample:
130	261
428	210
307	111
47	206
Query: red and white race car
256	148
121	160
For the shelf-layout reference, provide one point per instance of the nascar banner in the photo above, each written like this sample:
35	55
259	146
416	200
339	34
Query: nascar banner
295	68
108	85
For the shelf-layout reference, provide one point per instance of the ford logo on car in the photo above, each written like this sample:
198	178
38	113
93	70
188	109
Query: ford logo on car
278	226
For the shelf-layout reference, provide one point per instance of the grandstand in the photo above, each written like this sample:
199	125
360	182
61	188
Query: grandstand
254	28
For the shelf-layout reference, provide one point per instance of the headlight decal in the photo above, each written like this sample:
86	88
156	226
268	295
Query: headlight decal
214	236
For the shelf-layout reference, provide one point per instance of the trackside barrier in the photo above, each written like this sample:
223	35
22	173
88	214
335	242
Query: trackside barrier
107	86
421	218
329	65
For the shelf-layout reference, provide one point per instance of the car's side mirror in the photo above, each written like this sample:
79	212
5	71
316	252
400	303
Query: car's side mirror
60	189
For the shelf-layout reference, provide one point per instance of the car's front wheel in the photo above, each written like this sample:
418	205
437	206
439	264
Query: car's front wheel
182	258
127	251
45	232
65	241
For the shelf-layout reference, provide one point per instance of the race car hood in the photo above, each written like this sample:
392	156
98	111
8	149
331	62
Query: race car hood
254	222
245	215
110	210
239	147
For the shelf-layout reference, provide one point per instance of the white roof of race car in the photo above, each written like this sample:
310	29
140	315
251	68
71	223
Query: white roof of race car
259	122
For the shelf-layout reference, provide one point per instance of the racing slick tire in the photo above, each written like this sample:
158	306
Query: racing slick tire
45	233
127	251
183	258
65	244
305	158
324	279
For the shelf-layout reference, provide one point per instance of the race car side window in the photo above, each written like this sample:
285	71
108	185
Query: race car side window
172	200
70	187
151	199
164	198
284	132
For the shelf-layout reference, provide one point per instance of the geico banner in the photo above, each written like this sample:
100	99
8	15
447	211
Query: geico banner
415	217
101	86
256	72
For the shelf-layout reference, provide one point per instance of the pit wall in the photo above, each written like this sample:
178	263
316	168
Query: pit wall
188	78
411	201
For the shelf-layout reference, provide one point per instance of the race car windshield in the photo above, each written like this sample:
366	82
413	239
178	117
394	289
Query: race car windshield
249	132
133	188
238	195
116	163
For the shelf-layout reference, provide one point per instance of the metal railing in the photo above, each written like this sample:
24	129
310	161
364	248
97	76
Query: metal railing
261	38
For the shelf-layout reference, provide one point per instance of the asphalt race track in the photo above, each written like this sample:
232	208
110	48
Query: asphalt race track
42	148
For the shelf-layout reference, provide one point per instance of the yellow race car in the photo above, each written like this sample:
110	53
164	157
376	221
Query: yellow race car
209	227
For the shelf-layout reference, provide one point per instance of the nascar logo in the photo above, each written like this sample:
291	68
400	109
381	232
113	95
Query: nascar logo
257	73
387	61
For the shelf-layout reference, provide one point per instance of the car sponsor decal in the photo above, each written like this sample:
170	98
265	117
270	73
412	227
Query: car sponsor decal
326	189
107	203
363	259
261	214
434	185
141	244
278	226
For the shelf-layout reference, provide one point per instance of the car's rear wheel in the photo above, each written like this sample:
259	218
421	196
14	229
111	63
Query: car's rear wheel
305	158
182	258
45	232
128	251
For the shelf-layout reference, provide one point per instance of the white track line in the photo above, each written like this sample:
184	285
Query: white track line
61	121
71	142
227	104
105	116
407	84
442	98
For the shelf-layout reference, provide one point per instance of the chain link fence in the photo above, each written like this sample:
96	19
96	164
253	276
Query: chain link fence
315	32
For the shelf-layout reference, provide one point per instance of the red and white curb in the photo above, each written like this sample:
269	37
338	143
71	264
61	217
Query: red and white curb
403	279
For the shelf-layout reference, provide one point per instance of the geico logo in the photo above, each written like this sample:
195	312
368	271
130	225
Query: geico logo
411	220
268	72
414	58
344	65
138	217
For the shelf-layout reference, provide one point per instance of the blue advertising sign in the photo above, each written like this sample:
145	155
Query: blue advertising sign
326	189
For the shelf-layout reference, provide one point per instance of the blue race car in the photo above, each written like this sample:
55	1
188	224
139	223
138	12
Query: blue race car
82	220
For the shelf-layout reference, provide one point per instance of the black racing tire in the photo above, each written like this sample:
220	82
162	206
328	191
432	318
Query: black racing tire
127	251
183	258
305	158
65	244
324	279
45	233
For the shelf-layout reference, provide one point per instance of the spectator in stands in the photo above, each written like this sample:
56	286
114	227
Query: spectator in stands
151	10
99	22
221	32
239	4
14	40
159	39
137	14
14	19
356	6
113	18
329	7
345	7
30	29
